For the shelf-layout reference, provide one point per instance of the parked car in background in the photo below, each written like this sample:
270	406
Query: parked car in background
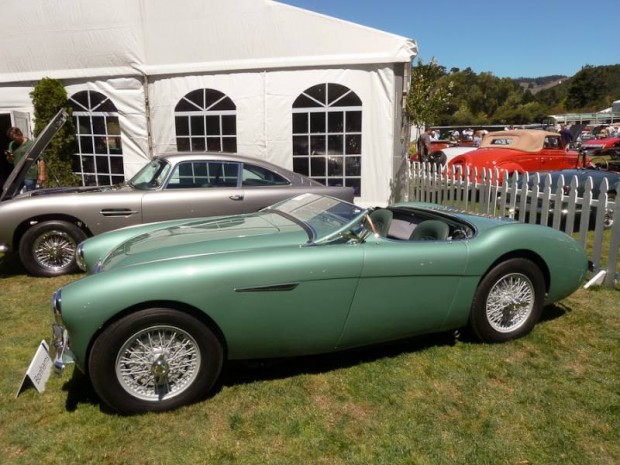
581	176
167	303
44	226
518	151
603	153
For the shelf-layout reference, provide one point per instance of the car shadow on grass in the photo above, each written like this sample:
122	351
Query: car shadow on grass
10	266
80	391
245	372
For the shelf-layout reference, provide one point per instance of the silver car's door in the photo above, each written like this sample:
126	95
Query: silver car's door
196	189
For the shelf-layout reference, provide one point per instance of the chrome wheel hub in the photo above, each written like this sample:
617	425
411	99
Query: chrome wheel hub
510	302
158	363
54	249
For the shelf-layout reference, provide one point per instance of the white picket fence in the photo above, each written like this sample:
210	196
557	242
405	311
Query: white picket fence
559	207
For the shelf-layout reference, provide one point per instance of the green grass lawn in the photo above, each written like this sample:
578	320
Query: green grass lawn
552	397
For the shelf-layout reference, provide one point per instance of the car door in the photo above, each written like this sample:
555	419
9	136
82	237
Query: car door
196	189
552	156
406	288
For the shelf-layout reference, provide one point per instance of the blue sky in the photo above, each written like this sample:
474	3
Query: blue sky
523	38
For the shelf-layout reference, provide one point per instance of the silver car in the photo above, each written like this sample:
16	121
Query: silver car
44	226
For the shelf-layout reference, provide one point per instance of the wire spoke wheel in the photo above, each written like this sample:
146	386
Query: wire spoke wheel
158	362
510	302
54	250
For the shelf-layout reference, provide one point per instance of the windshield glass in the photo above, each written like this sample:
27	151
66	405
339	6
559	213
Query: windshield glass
325	216
152	175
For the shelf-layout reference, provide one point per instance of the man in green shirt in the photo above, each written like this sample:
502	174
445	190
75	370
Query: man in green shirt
18	147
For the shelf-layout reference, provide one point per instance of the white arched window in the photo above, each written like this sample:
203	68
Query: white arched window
205	119
98	157
327	135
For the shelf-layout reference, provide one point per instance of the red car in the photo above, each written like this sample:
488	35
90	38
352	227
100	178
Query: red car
519	151
604	153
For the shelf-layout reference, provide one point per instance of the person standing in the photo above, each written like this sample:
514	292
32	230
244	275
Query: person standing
566	135
18	147
424	145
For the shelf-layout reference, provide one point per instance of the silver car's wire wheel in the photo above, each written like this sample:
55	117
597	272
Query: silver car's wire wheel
157	363
510	302
54	249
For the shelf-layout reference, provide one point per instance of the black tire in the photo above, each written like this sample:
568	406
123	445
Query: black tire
48	248
126	359
508	302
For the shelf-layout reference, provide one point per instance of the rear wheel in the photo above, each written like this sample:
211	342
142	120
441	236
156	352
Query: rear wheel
48	248
508	301
154	360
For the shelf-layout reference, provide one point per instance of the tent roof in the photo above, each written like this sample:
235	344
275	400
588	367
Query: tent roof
67	39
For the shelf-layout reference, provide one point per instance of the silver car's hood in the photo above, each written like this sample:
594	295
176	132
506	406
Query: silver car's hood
17	176
207	236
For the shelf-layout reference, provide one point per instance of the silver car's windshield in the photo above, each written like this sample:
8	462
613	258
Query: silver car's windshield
152	175
321	216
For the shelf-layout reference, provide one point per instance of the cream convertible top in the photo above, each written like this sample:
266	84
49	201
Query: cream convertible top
528	140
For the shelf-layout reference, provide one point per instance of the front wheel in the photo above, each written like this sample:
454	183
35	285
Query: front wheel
154	360
508	301
48	248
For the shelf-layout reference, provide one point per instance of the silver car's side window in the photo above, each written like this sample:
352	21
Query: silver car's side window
204	174
258	176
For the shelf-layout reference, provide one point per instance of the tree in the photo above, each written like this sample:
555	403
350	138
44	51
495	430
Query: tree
429	94
48	97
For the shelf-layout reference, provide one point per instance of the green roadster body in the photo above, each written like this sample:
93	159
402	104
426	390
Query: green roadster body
165	304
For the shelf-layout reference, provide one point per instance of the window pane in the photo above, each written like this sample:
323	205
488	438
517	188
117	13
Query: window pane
300	165
354	144
181	123
83	125
116	165
183	144
101	145
223	105
334	166
349	100
317	145
98	125
103	166
88	164
335	121
213	144
353	166
198	144
317	166
335	145
213	125
198	126
229	125
300	145
317	122
229	144
304	101
86	144
354	121
300	123
318	92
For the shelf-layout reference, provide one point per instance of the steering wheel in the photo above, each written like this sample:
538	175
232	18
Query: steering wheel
371	225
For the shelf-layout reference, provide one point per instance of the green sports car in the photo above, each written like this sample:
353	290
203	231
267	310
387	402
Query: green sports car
165	304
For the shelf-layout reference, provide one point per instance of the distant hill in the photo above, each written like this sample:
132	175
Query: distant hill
535	85
592	89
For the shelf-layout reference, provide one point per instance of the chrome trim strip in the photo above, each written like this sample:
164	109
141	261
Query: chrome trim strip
269	288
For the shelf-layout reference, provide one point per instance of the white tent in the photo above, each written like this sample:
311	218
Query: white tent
146	56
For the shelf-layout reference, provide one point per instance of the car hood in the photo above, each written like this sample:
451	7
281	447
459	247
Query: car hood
207	236
17	176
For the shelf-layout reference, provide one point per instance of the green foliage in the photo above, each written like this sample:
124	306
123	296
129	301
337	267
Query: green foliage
467	98
48	97
428	95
